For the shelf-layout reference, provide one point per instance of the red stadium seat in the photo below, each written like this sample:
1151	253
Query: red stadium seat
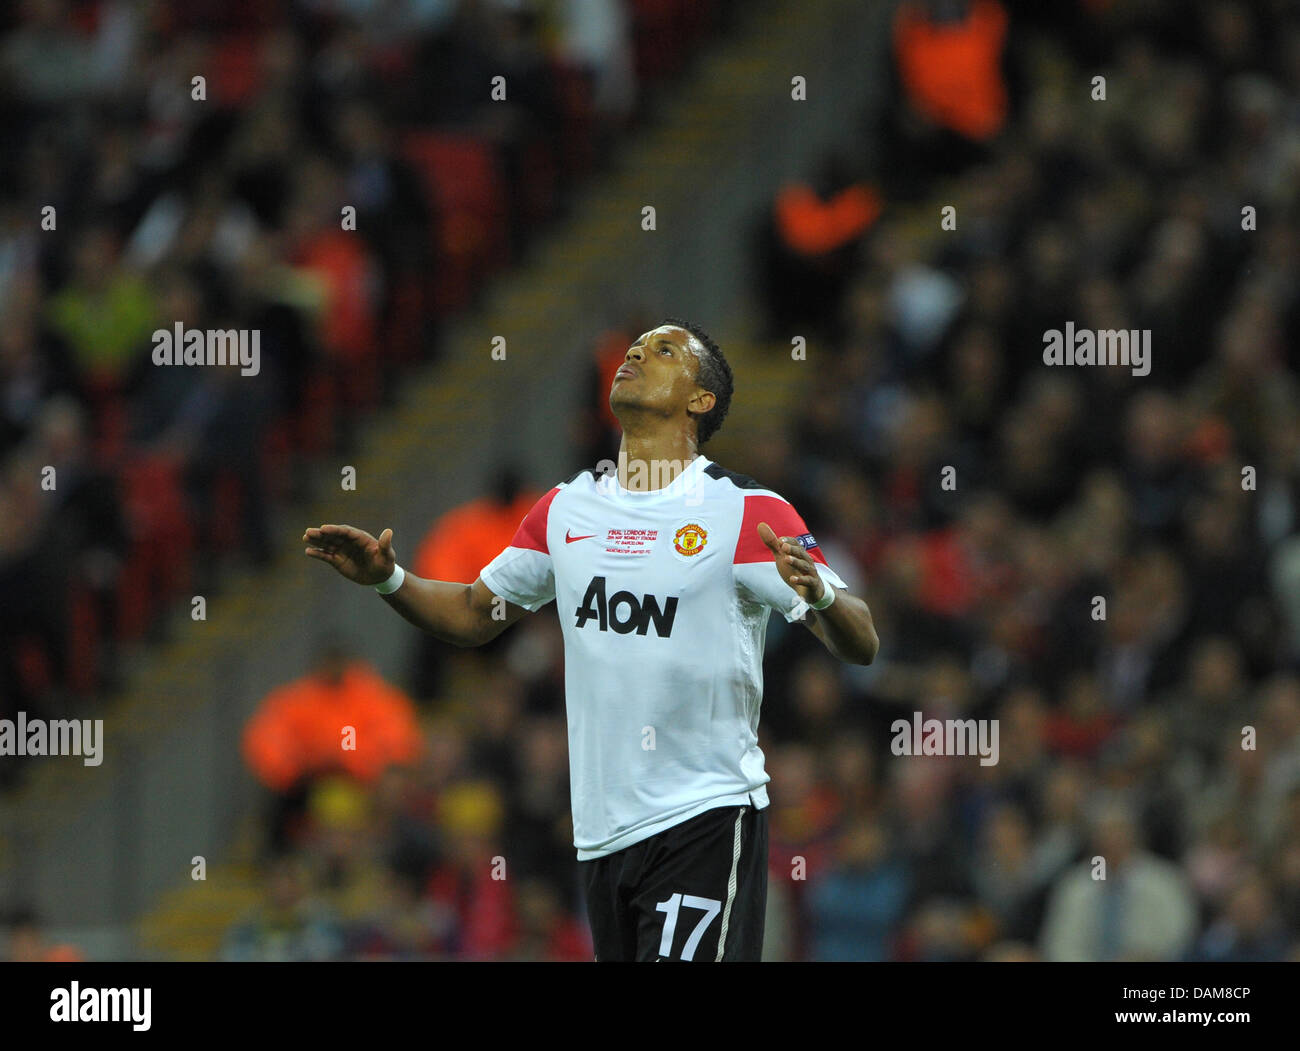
314	424
403	345
276	453
235	79
696	18
84	639
657	38
34	667
108	412
162	540
228	501
462	178
577	146
540	182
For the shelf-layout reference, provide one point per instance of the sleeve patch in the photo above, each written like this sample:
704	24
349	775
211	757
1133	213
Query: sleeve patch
783	519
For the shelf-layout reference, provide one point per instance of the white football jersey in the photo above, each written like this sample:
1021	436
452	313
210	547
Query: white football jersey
663	598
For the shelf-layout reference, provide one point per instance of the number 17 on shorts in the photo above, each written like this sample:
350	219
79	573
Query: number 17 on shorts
696	892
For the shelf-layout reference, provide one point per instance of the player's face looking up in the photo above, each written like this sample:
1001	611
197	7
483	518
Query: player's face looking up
658	378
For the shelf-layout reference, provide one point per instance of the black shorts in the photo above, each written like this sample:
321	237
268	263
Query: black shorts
696	891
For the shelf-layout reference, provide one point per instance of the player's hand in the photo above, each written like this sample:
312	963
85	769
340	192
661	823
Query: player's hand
793	563
353	552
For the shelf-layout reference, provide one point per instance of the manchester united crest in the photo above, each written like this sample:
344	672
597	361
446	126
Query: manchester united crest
690	539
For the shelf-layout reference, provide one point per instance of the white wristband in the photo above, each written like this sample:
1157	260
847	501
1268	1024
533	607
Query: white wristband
392	583
826	599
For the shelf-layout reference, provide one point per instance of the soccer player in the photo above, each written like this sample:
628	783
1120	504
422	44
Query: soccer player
663	573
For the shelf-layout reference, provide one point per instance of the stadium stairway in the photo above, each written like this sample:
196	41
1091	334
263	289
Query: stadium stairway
537	305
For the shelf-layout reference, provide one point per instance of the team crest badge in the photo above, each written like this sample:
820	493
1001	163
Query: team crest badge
690	539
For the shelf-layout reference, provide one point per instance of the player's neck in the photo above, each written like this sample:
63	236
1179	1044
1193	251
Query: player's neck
649	462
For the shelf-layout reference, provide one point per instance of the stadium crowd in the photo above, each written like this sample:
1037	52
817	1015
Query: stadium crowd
190	163
1164	738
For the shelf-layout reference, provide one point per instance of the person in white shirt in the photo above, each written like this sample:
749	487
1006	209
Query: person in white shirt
663	572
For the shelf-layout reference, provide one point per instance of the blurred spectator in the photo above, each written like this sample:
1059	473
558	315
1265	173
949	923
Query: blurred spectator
1141	910
1209	700
342	851
466	538
105	313
400	221
952	94
1218	861
596	37
457	546
129	207
855	906
50	63
1007	880
290	926
34	368
1083	724
471	886
808	244
946	930
1248	928
546	931
49	643
341	717
948	53
26	942
801	830
538	825
925	830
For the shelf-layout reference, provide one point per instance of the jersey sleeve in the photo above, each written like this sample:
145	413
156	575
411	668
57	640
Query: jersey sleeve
754	567
523	573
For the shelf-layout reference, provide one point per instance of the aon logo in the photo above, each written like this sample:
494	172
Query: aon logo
624	612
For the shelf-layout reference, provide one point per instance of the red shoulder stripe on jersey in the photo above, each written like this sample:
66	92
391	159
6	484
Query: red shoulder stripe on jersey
531	533
783	519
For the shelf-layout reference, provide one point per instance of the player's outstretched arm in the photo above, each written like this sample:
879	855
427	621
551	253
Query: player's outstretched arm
845	627
461	614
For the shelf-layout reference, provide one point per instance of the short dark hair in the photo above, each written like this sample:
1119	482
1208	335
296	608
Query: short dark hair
714	376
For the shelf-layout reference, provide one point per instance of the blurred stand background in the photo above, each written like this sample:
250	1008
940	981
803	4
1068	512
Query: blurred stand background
776	220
